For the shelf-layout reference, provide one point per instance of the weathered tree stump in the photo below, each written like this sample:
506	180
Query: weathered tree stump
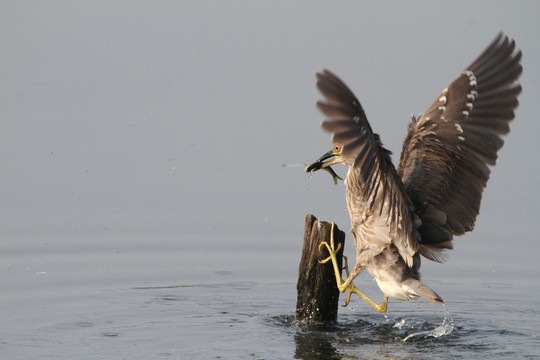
318	295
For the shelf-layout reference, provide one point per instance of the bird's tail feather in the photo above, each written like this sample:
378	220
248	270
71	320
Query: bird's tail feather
423	290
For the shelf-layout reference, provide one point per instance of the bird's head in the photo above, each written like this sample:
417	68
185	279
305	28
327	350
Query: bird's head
333	156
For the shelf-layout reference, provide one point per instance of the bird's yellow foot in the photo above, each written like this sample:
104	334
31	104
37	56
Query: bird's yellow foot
347	285
333	250
348	297
379	307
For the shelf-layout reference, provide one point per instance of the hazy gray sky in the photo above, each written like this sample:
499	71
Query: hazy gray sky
176	116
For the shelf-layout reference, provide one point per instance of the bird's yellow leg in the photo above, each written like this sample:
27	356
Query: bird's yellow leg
344	285
379	307
332	250
353	289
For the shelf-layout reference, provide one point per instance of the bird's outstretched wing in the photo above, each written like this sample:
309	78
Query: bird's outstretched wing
380	185
444	159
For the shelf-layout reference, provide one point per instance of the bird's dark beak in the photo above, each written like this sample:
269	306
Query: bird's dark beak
320	164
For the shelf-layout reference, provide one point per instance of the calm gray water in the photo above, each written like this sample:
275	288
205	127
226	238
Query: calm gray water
145	212
149	297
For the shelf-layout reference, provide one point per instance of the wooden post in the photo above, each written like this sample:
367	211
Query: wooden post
318	295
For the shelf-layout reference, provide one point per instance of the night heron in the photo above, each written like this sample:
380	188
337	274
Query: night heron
435	193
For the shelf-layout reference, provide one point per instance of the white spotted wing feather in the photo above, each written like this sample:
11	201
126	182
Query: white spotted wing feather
444	160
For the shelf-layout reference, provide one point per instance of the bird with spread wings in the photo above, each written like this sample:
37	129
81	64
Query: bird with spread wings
398	215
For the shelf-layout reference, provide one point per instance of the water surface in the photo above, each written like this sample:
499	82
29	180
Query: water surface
165	301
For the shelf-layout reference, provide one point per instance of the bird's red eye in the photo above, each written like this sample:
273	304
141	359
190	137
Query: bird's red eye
337	148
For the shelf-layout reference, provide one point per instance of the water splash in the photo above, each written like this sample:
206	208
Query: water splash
445	328
399	324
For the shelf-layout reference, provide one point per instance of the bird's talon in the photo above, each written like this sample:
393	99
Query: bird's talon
331	250
348	299
324	261
324	243
321	245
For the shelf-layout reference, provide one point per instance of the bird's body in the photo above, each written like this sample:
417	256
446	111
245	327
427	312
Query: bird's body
374	241
435	193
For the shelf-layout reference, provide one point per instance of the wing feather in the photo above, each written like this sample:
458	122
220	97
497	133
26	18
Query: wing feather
378	183
445	156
